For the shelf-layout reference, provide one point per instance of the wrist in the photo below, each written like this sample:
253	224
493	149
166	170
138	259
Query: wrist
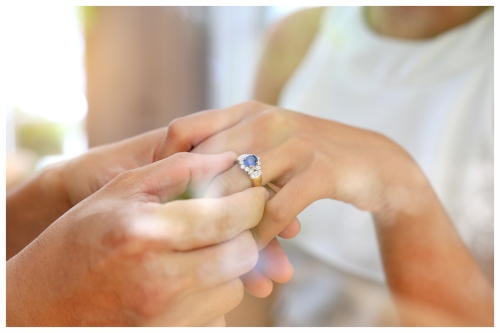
47	199
409	194
18	309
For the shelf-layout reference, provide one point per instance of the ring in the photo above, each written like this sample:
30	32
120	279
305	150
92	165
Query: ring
251	164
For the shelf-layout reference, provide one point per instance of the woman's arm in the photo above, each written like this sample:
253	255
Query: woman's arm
311	158
427	266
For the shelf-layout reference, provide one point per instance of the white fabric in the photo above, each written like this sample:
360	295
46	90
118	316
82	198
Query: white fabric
433	97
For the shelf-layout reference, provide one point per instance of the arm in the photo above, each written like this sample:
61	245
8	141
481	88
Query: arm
311	158
410	263
428	268
286	45
32	207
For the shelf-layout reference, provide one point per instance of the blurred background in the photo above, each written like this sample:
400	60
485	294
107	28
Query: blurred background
78	77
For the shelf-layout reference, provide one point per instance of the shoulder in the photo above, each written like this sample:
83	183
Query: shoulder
300	26
286	44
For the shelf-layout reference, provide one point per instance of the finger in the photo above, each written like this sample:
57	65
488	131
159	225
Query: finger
273	262
143	146
293	198
291	230
170	177
210	266
206	306
187	132
256	283
189	224
277	167
232	181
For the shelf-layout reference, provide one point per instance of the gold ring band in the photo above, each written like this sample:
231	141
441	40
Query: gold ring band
257	181
251	164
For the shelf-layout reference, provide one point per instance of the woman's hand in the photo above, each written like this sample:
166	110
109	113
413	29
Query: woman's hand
122	258
308	158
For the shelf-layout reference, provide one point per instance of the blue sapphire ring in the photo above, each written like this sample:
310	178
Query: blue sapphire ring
251	164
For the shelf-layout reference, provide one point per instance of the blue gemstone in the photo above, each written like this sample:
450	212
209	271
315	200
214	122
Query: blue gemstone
250	161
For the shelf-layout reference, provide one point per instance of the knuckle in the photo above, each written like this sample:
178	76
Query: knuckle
176	130
179	157
277	213
253	105
224	184
124	181
154	293
275	118
147	300
124	177
124	236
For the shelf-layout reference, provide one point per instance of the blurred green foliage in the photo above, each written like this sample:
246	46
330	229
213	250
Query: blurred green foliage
188	194
87	16
42	138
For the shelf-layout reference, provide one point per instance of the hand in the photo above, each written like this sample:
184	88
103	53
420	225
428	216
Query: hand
60	187
307	158
57	188
122	258
310	159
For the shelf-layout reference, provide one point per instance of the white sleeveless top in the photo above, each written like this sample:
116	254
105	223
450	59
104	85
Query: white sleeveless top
433	97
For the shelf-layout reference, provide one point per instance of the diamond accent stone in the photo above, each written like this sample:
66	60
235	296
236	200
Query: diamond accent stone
256	174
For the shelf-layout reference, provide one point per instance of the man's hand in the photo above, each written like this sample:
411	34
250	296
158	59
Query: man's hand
122	258
34	206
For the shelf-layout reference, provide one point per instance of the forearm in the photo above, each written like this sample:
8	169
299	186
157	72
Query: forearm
427	265
32	207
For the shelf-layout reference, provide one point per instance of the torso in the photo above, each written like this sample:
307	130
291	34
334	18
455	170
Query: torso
434	98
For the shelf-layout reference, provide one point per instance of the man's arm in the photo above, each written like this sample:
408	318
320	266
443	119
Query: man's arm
33	206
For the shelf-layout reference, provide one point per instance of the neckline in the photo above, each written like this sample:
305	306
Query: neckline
388	40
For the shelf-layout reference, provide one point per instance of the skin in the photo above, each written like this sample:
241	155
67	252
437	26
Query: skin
432	276
432	293
54	194
122	258
425	261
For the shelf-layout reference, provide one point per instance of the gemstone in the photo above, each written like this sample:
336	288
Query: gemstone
256	174
250	160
